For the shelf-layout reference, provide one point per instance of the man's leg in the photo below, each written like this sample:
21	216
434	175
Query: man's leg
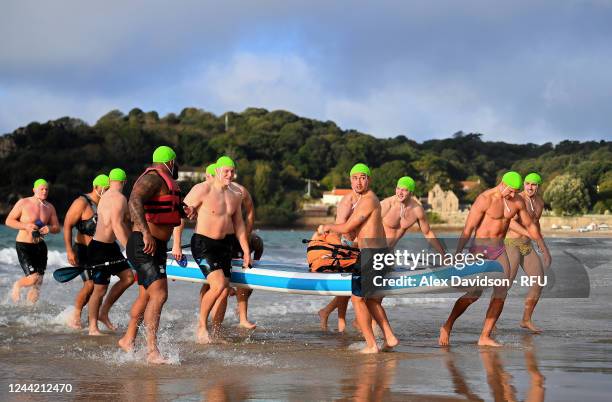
157	295
242	298
34	291
217	282
126	279
218	311
24	282
380	316
79	302
136	316
326	311
363	320
342	305
459	308
496	306
533	268
94	306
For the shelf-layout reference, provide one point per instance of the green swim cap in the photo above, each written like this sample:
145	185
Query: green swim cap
533	178
40	182
406	183
210	169
101	180
512	180
225	161
117	174
163	154
360	168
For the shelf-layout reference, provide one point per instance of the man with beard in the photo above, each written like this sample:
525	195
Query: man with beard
154	206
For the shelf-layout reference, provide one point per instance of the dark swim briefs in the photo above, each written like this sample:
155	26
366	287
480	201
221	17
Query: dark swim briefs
98	253
81	252
149	268
32	257
212	254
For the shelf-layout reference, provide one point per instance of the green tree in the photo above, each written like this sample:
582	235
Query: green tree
567	195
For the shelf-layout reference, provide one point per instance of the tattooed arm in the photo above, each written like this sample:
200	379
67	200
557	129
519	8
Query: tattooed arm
143	190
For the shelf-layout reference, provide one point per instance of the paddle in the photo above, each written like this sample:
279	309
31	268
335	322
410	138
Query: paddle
67	274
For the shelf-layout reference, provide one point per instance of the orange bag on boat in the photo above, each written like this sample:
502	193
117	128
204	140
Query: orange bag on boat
325	253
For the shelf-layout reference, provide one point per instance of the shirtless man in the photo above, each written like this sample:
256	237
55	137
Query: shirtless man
219	214
83	216
490	218
345	208
242	294
366	222
113	218
255	245
400	212
33	217
520	250
155	209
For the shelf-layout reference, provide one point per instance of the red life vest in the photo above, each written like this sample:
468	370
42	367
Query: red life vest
164	209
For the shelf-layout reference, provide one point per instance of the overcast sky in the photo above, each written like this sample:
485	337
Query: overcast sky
532	71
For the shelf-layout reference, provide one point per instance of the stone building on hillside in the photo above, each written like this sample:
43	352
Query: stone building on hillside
442	202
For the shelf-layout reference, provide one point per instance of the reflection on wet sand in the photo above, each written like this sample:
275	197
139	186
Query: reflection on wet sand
371	380
498	379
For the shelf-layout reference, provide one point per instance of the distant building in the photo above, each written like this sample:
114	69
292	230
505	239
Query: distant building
313	209
191	174
442	202
333	197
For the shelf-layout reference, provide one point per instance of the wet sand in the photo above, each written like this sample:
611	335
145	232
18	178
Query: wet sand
288	357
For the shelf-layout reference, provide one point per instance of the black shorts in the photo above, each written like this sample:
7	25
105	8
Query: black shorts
81	252
149	268
211	254
98	253
364	273
32	257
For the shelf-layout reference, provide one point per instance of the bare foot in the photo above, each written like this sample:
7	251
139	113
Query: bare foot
390	344
126	345
95	331
202	336
156	358
106	321
16	293
487	341
369	350
75	322
247	325
530	326
341	325
444	339
323	317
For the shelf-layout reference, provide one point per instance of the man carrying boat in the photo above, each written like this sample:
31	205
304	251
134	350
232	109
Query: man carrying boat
490	218
219	214
366	222
520	250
